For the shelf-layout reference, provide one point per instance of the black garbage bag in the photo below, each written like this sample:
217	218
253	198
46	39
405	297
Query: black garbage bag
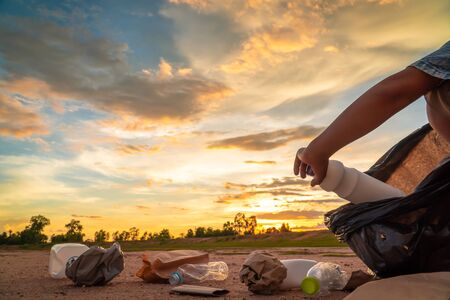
401	235
96	266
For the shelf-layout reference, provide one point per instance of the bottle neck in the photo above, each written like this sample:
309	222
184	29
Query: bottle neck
176	278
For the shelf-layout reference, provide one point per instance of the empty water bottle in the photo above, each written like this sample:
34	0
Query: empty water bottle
324	277
193	273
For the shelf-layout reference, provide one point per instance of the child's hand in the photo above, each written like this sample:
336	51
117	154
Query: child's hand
305	158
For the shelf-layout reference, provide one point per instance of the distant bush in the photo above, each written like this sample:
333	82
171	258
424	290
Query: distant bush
32	234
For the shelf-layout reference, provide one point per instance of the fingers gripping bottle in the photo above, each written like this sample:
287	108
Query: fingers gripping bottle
194	273
324	277
355	186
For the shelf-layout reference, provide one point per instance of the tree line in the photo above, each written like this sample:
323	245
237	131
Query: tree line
33	233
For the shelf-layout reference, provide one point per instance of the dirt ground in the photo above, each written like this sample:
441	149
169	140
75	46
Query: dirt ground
24	275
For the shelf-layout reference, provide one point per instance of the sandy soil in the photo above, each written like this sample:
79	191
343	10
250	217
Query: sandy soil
23	274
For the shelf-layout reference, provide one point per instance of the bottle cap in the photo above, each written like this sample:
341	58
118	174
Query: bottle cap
310	285
175	278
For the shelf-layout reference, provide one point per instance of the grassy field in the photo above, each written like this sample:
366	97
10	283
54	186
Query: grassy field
321	238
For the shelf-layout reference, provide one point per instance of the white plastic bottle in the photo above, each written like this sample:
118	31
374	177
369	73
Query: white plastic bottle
296	271
355	186
194	273
324	277
60	254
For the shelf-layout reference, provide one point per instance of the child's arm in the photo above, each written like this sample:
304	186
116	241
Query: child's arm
368	112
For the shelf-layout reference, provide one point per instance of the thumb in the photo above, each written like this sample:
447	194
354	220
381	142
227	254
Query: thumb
314	182
318	178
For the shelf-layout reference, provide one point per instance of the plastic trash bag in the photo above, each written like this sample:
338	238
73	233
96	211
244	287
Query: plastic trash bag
400	235
96	266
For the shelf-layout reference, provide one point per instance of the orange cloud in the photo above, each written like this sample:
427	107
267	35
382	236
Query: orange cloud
136	149
318	201
227	199
152	182
88	217
18	121
143	207
276	182
261	162
267	140
62	67
165	70
291	215
31	88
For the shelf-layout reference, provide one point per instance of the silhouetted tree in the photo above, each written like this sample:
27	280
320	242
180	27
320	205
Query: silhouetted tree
243	225
164	235
74	231
239	223
124	236
144	236
190	233
251	224
272	230
209	231
115	236
3	238
200	232
228	228
134	233
285	228
32	234
11	238
101	236
58	238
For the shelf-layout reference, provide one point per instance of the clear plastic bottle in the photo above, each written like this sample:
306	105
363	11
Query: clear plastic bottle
323	278
193	273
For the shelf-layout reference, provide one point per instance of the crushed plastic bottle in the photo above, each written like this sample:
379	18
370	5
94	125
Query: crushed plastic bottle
194	273
323	278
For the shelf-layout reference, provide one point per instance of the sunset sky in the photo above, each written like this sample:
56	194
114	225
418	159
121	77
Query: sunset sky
181	113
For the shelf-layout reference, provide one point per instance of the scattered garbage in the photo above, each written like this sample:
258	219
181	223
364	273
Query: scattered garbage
296	271
262	273
402	235
159	265
197	290
96	266
323	278
355	186
192	273
60	254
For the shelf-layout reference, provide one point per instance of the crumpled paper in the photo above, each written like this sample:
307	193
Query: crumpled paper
159	265
96	266
262	273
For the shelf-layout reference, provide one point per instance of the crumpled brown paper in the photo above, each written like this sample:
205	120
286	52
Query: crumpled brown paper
96	266
159	265
262	272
